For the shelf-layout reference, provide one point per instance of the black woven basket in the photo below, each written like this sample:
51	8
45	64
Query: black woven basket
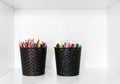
33	61
68	61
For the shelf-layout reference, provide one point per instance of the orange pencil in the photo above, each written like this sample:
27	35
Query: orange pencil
64	45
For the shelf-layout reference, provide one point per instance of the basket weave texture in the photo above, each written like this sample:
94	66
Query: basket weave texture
68	61
33	61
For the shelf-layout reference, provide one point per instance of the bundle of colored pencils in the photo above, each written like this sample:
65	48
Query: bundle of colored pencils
30	43
68	45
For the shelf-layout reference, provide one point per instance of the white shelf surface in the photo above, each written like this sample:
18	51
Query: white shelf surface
87	76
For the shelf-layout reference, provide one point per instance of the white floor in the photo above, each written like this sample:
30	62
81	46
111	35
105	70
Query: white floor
87	76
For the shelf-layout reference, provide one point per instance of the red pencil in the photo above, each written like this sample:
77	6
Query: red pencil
72	45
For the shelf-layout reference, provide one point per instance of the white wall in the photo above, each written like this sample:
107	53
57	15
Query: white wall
6	38
86	26
58	4
114	38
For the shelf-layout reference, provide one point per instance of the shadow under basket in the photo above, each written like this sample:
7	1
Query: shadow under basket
68	61
33	61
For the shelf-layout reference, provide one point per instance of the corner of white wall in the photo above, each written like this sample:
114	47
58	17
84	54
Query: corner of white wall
6	38
113	13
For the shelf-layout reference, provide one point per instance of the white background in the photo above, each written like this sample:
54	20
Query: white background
85	26
90	27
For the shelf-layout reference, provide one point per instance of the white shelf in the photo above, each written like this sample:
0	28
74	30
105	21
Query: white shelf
87	76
